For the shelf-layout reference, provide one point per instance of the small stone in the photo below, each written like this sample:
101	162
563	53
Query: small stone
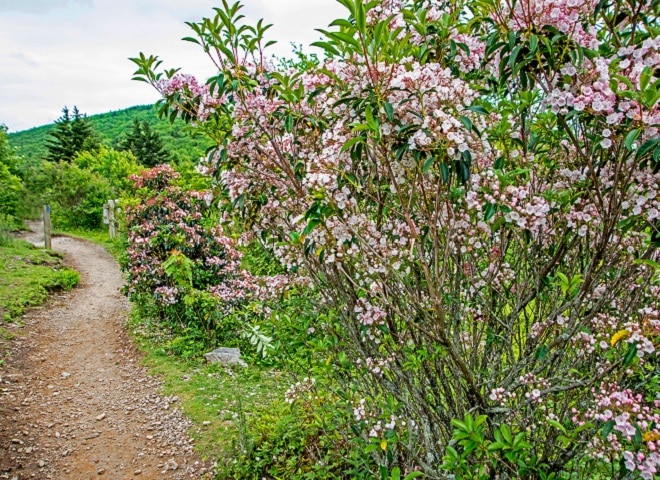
41	464
66	374
101	471
100	417
226	356
206	423
137	472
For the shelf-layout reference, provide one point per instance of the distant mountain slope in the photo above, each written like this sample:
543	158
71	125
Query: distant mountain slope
112	127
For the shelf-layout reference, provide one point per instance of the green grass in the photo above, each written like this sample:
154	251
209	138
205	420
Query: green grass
222	402
29	275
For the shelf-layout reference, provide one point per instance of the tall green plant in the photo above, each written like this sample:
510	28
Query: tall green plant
72	133
145	144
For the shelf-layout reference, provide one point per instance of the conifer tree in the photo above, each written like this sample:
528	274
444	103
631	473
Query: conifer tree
72	133
146	145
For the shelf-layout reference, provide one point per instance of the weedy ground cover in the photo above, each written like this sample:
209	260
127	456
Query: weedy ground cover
29	275
221	401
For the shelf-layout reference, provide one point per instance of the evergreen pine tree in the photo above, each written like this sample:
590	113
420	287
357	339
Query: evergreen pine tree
84	137
146	145
70	135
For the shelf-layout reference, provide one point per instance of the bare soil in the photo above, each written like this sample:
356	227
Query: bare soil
75	403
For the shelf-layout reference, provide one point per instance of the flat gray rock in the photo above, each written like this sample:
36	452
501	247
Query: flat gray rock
226	356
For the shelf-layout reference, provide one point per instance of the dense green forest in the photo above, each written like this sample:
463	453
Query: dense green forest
112	129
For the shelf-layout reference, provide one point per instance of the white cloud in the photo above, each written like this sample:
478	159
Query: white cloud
38	6
75	52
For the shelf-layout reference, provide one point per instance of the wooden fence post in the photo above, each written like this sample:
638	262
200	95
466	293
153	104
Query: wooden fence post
111	217
47	228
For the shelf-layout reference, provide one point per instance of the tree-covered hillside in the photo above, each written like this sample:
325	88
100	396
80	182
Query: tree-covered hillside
113	127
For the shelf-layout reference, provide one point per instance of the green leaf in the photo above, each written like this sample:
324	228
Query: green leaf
371	448
428	164
389	111
631	137
467	123
599	7
514	56
495	446
647	147
351	142
478	109
460	425
360	16
541	352
371	121
489	211
328	47
415	474
311	225
631	354
342	39
506	433
288	123
637	439
645	77
533	43
343	23
444	169
558	426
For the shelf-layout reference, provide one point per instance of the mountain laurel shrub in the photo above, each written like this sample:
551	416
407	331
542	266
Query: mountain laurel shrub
175	256
472	187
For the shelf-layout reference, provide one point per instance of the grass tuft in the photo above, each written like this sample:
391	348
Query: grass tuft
29	275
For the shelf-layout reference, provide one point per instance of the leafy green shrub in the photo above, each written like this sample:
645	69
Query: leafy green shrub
11	192
176	256
77	196
114	166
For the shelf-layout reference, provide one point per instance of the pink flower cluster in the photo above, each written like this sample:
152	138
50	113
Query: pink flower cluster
567	16
629	417
196	97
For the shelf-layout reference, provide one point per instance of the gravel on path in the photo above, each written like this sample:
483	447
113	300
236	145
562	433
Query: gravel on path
75	403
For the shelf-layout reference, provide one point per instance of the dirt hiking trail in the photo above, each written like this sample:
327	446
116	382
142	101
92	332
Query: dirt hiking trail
74	401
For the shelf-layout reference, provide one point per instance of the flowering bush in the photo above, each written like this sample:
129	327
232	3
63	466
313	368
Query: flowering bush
473	187
173	255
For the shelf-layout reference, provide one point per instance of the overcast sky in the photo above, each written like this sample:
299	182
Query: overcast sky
74	52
